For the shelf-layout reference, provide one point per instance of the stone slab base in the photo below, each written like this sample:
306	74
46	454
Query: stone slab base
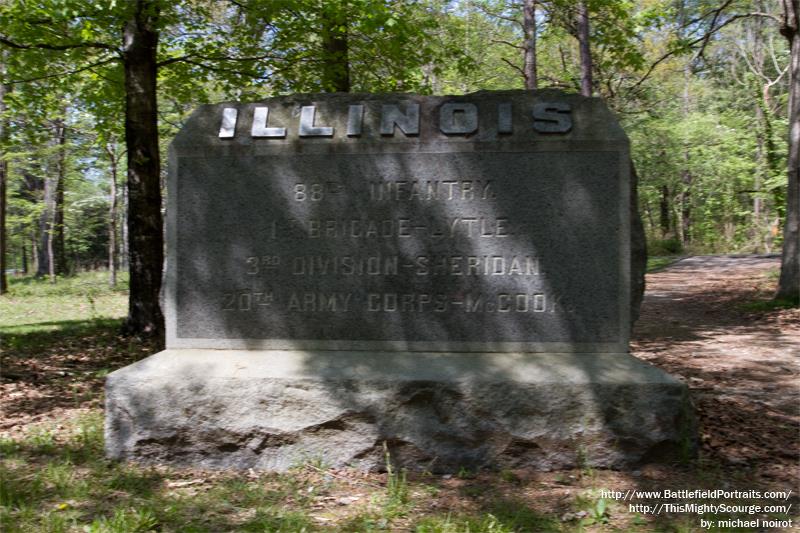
439	412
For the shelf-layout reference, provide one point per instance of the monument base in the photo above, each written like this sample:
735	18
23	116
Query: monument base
439	412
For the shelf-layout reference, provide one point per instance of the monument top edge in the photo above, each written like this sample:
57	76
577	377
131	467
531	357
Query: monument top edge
514	115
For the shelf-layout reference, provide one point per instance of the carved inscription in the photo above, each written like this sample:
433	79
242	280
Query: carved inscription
454	118
352	229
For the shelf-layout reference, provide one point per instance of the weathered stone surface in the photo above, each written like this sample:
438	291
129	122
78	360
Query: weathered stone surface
504	238
450	275
441	412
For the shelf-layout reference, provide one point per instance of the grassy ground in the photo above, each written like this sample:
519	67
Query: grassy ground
60	341
655	263
35	305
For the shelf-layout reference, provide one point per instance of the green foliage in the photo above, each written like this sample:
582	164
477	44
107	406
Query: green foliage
659	247
396	487
597	513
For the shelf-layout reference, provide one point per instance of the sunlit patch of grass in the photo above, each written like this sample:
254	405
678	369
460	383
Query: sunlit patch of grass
765	306
36	305
655	263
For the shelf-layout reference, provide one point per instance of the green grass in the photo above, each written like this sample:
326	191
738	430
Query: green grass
54	476
36	305
655	263
70	486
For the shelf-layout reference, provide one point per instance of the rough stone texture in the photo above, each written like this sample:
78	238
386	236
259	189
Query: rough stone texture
243	244
511	370
440	412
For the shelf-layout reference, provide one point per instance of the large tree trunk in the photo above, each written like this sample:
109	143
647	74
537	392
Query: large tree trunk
111	150
585	50
335	57
146	246
789	282
529	46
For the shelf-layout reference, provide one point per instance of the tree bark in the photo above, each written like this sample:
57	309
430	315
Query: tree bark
146	246
336	61
44	263
59	265
585	50
686	174
3	179
638	259
789	282
529	46
756	33
112	215
124	262
664	212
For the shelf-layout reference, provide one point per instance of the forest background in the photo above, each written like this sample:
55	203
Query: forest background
92	92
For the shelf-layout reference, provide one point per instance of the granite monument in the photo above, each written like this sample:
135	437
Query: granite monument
448	275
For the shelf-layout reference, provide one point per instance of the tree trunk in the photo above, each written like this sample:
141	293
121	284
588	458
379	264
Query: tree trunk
638	259
686	205
24	258
112	216
3	179
663	212
34	252
789	282
529	46
335	57
586	55
45	256
146	246
756	34
51	258
59	265
686	174
124	263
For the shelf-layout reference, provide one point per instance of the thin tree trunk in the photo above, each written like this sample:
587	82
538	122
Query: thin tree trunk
663	212
24	258
529	27
585	50
756	33
140	43
336	61
51	260
58	242
789	282
34	252
124	255
45	256
112	216
686	174
3	178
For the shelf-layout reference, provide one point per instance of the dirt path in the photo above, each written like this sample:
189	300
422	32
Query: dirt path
741	363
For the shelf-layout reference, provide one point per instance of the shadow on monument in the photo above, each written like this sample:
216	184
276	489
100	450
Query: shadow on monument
437	409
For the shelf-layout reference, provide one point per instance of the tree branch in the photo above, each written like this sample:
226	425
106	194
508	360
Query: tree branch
512	65
690	44
48	46
189	57
512	45
69	72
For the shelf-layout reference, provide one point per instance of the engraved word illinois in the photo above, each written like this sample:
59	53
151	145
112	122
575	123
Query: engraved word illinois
454	118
